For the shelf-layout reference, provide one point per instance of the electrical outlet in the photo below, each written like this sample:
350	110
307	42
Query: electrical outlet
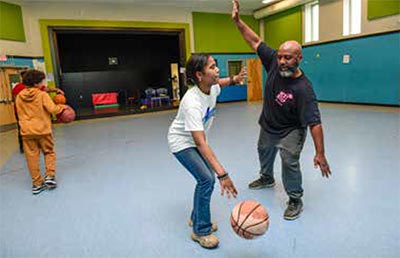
346	59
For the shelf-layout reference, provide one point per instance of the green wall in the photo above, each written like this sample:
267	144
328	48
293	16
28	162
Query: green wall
380	8
216	33
11	22
283	26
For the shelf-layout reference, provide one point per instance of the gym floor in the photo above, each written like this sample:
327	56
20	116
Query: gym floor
122	194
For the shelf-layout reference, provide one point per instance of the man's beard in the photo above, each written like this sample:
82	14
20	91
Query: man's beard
289	71
286	74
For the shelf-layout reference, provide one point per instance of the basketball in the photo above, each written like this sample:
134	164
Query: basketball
249	219
59	99
67	116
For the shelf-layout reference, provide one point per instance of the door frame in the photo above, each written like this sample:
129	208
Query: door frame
54	52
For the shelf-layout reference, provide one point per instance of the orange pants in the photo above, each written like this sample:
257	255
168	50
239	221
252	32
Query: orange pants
32	147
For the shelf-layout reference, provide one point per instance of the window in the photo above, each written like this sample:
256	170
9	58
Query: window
234	67
311	22
351	17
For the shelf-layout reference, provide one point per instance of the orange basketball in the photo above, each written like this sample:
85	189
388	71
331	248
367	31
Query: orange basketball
249	219
67	116
59	99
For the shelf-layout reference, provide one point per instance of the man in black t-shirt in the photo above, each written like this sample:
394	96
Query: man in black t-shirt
290	106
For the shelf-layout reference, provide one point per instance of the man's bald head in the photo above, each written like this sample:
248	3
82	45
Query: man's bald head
289	58
291	46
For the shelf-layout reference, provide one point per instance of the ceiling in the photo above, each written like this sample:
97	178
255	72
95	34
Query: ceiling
247	6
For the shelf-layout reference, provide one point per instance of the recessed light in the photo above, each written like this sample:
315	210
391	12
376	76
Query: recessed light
267	1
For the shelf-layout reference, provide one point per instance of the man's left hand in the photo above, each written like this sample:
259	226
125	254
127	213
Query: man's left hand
321	162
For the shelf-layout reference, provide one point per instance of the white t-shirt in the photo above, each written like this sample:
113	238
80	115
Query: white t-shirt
196	113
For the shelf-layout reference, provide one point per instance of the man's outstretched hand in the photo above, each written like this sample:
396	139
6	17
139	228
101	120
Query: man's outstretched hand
235	10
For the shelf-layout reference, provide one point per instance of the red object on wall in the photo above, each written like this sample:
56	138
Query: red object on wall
104	98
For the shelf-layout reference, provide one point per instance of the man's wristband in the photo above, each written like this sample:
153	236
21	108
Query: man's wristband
223	176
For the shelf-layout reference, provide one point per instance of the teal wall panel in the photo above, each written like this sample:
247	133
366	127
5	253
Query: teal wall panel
222	61
13	61
231	93
372	76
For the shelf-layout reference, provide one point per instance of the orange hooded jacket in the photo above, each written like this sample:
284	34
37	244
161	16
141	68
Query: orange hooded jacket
34	108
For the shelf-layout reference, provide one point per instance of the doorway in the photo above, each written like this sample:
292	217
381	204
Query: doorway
254	79
9	77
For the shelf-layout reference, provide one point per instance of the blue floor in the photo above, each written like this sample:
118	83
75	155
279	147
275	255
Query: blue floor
122	194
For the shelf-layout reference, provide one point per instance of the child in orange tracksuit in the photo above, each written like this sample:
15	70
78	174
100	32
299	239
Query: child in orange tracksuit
34	108
16	90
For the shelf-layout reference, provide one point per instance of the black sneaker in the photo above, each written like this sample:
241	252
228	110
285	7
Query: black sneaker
50	182
295	207
262	182
38	189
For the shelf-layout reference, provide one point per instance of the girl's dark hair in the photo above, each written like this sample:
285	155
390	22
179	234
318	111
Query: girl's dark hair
196	63
31	77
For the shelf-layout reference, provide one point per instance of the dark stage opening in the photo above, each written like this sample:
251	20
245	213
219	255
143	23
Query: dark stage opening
119	66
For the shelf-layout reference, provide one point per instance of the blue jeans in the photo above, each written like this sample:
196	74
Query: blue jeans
194	162
289	148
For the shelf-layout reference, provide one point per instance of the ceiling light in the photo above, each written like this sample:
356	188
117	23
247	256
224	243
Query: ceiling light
268	1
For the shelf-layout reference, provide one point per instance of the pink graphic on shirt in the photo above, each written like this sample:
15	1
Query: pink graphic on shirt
282	97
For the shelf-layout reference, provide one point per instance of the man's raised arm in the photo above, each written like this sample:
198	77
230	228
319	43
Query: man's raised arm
251	38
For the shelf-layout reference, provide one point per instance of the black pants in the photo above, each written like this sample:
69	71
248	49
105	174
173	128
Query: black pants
21	147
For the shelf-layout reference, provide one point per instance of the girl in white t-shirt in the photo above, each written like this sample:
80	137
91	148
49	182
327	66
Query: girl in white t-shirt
187	141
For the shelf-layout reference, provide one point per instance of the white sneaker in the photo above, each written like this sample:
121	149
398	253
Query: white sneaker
208	242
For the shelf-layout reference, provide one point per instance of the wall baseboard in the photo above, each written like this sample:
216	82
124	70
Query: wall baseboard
350	37
358	103
5	128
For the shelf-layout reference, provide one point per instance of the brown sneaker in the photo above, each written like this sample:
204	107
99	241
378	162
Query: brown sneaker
262	182
214	226
293	210
208	242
